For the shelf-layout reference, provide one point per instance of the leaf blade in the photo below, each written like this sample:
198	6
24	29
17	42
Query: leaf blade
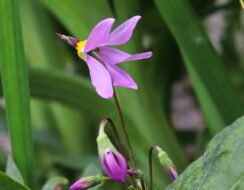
221	103
16	91
221	167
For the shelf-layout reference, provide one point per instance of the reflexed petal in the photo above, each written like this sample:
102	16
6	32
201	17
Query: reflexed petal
120	77
111	55
100	78
123	33
139	56
99	34
115	56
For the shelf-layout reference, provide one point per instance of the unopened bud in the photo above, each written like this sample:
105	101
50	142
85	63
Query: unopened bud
167	163
87	182
113	162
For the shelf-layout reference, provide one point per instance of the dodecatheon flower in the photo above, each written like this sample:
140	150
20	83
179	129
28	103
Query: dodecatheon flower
102	59
88	182
113	162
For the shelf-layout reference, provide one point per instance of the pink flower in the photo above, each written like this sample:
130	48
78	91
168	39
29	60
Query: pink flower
114	164
102	60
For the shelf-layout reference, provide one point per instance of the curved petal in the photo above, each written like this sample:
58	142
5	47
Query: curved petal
123	33
99	34
139	56
115	56
120	77
100	78
113	166
111	55
123	166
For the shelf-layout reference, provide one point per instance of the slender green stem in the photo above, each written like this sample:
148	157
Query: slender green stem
126	136
103	122
156	147
125	133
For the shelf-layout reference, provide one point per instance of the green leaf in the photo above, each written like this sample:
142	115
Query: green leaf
55	183
44	49
79	16
222	165
16	90
92	169
220	101
13	171
68	89
79	162
8	183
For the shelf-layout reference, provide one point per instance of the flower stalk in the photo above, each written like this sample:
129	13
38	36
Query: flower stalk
102	125
126	136
165	161
124	130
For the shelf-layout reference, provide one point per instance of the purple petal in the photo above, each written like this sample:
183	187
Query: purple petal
112	165
99	35
115	56
139	56
123	166
123	33
111	55
100	78
120	77
78	185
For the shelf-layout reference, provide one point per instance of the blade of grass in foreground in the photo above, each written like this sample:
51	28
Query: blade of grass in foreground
16	91
218	98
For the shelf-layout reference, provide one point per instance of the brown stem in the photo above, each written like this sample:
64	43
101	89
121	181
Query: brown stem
125	133
150	168
126	136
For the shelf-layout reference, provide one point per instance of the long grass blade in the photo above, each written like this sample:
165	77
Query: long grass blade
216	93
16	90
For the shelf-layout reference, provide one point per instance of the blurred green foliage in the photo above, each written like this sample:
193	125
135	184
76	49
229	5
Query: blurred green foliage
65	109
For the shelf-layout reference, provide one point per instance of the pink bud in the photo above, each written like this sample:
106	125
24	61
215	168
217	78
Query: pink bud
114	164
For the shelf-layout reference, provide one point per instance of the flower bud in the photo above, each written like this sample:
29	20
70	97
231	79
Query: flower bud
87	182
167	163
113	162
